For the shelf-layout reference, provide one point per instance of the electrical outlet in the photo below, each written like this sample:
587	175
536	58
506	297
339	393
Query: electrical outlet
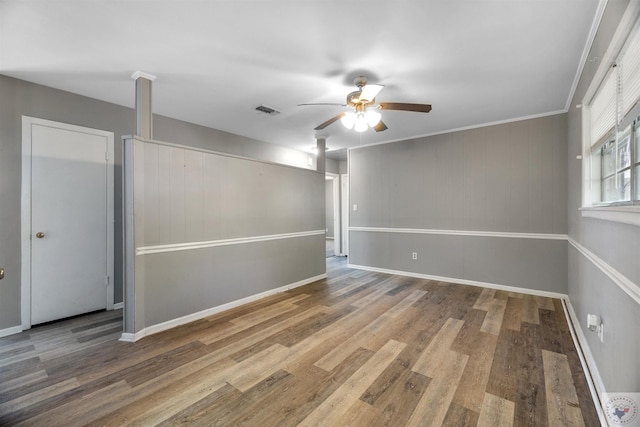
414	256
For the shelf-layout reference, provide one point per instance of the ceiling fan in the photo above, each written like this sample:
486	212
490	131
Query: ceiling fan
364	111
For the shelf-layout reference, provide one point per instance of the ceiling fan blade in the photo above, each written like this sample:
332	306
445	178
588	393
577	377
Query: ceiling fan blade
403	106
328	122
369	92
380	126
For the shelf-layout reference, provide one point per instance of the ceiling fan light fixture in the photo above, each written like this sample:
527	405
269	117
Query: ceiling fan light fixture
348	120
373	117
361	123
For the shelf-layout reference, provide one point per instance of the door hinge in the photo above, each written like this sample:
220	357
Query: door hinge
106	280
106	156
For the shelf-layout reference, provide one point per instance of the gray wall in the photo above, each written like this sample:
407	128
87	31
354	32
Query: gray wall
23	98
591	291
186	196
329	207
332	166
507	178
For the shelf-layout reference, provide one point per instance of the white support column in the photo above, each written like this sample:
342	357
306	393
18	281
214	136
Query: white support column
321	146
144	112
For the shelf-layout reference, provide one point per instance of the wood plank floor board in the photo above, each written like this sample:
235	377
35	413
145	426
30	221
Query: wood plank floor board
496	412
397	405
161	390
397	370
437	352
513	314
17	351
372	336
469	338
296	333
563	407
302	395
473	383
459	416
493	321
358	348
20	382
530	313
79	412
529	358
503	378
551	336
211	410
254	408
286	337
530	405
433	406
18	369
332	408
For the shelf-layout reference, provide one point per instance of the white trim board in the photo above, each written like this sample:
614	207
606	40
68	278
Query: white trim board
623	282
592	375
543	236
10	331
307	167
154	329
174	247
462	281
623	214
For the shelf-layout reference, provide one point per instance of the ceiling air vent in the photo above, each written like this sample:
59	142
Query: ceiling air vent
267	110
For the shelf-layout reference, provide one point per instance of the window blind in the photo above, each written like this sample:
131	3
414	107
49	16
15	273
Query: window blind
603	108
630	74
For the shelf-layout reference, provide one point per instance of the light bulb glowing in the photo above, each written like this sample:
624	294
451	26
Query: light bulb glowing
348	120
373	117
361	123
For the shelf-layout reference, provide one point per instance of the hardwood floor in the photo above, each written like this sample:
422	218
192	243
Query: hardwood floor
357	349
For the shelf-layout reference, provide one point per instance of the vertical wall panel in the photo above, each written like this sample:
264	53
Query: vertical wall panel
194	195
151	196
214	177
177	192
184	197
164	197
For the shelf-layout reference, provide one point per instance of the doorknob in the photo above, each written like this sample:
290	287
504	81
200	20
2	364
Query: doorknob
39	234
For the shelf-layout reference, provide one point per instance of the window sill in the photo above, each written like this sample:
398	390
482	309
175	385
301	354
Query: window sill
622	214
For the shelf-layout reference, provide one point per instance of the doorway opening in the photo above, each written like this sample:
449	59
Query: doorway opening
336	193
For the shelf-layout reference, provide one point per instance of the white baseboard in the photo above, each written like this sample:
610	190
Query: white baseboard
463	282
127	337
11	331
594	380
154	329
118	306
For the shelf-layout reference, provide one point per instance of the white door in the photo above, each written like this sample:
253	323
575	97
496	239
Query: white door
70	231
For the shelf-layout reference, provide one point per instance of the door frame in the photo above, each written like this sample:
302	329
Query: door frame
337	231
25	226
344	214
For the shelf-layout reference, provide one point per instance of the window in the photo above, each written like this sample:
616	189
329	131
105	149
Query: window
612	140
615	179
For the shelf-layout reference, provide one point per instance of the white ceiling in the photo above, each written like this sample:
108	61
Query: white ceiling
475	61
